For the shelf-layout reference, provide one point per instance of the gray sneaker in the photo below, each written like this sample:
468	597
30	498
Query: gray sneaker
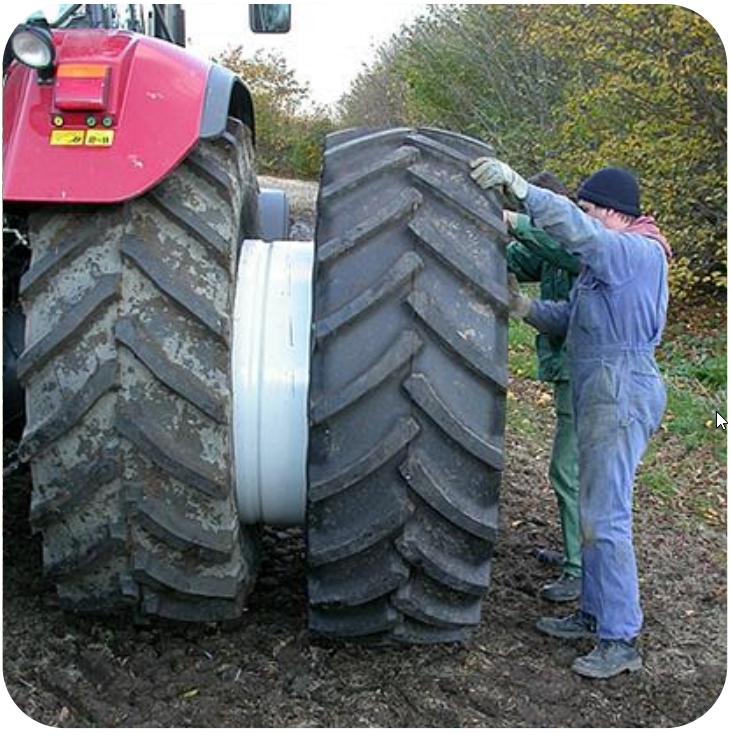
574	627
566	588
608	659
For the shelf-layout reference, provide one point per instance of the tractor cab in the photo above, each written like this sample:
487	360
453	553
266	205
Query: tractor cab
166	21
31	42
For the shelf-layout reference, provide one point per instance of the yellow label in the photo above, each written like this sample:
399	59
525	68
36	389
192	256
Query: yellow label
67	137
99	137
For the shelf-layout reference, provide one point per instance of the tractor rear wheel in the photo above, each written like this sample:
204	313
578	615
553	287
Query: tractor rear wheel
128	392
407	395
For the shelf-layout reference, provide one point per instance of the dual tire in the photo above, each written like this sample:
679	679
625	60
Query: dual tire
128	391
408	388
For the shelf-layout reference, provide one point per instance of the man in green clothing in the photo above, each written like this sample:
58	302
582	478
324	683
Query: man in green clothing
534	257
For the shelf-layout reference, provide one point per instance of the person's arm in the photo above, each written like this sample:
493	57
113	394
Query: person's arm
612	255
549	317
540	243
522	263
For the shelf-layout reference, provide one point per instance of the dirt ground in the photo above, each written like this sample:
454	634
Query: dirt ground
267	671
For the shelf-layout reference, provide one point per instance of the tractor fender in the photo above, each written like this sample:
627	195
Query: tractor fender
161	99
226	96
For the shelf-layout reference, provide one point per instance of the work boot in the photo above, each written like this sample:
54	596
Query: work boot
551	557
608	659
566	588
574	627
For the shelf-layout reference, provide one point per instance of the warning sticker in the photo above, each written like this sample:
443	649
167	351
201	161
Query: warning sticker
67	137
99	137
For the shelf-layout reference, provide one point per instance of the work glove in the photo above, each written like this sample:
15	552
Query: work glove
518	304
489	173
510	219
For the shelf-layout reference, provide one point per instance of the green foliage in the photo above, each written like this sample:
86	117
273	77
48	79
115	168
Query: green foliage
654	100
290	133
571	88
377	96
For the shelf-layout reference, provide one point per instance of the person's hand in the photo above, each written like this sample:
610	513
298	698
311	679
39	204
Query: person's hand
489	173
510	218
518	304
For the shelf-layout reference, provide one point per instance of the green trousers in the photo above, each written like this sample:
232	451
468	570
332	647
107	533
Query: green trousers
563	474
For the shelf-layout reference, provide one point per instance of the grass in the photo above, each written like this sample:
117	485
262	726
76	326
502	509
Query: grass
685	464
528	413
522	356
522	359
694	366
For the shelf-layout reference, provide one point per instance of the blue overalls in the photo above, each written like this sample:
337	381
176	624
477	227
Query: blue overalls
613	321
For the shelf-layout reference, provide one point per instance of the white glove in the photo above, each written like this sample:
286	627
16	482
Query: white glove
518	304
489	172
510	218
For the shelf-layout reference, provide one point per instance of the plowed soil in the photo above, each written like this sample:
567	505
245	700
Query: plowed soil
267	671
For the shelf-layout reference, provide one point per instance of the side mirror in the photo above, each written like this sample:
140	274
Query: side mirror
267	18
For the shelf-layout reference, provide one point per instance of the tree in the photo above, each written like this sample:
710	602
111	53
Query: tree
572	88
652	97
377	96
269	78
290	130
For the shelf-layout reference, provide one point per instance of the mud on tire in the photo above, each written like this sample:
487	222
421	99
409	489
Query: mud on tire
409	377
128	392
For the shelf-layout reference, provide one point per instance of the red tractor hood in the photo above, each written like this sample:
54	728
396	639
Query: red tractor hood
122	111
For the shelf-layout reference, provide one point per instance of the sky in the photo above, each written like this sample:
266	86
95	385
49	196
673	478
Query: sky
327	46
329	42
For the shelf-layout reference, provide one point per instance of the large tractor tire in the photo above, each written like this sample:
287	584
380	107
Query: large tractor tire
128	393
407	397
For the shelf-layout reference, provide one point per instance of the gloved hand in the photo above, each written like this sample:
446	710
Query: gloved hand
489	172
510	218
518	304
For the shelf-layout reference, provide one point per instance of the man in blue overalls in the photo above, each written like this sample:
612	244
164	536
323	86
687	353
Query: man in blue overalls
613	322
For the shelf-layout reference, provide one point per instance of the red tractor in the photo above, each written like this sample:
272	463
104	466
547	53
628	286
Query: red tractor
189	377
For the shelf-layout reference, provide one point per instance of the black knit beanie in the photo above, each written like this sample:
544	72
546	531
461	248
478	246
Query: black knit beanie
613	188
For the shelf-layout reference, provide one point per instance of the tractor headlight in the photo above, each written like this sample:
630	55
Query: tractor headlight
33	46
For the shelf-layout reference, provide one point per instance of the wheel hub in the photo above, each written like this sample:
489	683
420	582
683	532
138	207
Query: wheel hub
271	376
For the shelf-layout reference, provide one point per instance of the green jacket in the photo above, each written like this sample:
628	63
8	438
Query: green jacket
535	257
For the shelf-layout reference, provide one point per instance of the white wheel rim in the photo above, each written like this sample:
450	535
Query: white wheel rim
271	375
